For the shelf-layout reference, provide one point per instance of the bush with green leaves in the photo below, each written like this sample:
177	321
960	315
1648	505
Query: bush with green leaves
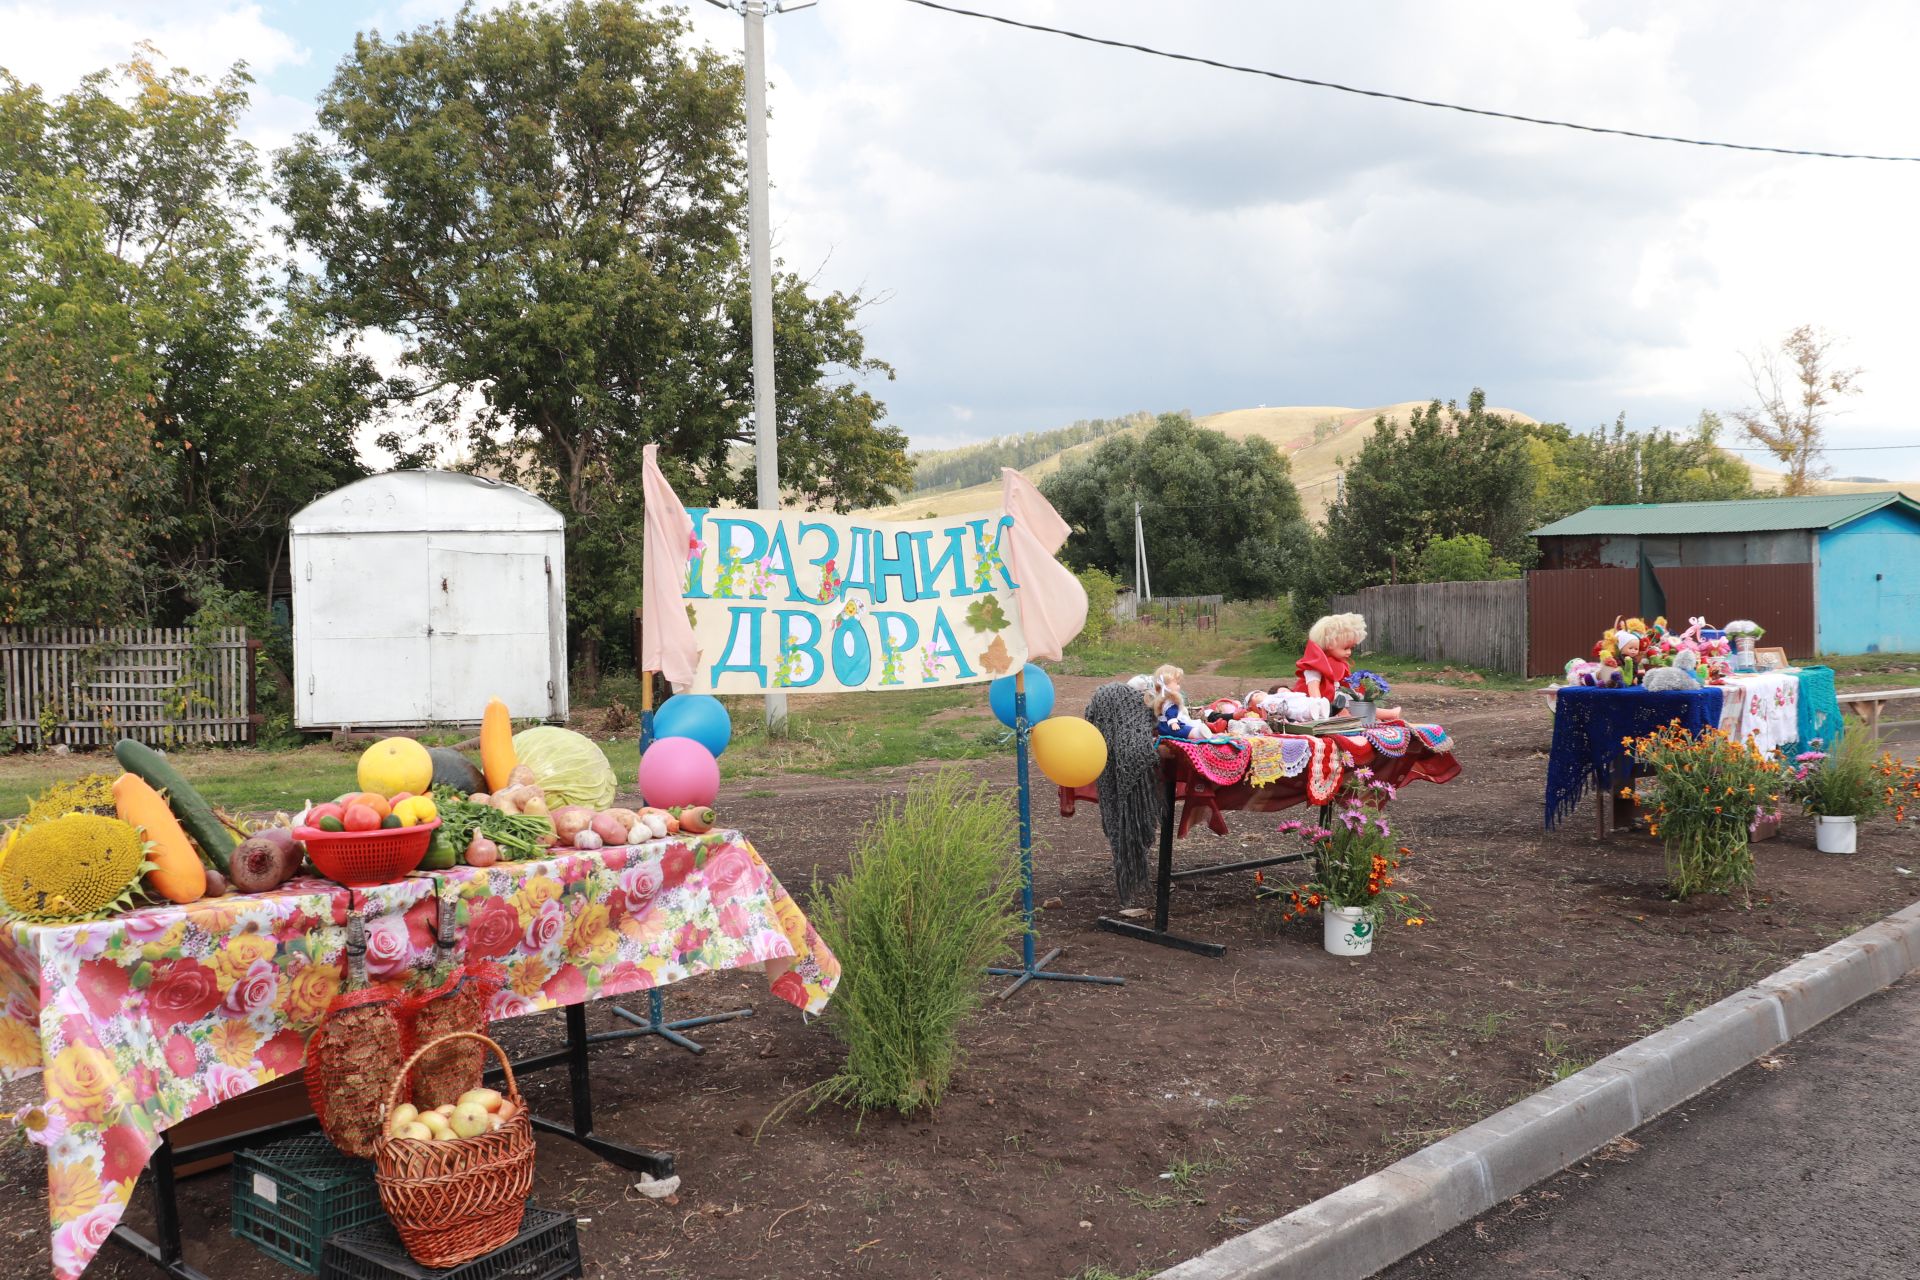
1102	589
1284	627
926	904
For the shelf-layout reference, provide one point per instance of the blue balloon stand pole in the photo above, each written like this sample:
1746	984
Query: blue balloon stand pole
655	1023
1032	970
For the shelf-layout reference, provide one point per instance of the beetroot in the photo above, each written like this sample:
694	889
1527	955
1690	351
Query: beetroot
262	863
216	883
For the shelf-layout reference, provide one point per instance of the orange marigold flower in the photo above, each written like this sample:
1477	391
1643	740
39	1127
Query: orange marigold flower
1414	922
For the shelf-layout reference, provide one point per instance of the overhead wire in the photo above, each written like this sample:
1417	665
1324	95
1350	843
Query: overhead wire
1405	98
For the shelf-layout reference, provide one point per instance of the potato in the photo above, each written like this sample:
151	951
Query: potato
569	820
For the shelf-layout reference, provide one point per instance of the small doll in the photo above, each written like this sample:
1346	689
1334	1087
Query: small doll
1328	660
1169	708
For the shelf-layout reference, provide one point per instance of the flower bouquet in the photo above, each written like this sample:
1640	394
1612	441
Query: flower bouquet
1355	865
1368	686
1713	793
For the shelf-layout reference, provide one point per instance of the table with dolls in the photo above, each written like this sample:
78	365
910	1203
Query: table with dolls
1641	676
1269	751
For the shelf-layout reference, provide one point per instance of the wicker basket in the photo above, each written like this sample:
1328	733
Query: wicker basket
455	1200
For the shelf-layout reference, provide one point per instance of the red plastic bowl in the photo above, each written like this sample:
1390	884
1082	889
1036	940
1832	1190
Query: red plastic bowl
359	859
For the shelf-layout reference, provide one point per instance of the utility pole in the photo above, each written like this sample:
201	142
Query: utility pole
766	449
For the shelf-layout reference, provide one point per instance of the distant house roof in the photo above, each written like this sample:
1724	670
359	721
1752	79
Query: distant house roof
1746	515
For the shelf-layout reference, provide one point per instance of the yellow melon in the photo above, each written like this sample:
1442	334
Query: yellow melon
393	765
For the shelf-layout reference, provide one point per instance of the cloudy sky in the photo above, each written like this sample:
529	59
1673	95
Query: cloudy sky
1061	230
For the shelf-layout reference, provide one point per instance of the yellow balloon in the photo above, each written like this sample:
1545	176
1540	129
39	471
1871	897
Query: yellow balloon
1069	750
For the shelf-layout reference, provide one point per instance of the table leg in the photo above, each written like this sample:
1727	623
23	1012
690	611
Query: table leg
580	1086
656	1024
165	1252
1162	894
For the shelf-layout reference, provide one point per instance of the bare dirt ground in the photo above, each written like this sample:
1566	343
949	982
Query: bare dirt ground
1101	1132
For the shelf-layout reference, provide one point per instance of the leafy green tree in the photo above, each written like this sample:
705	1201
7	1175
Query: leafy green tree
1573	471
1448	472
546	205
79	478
1220	515
127	223
1465	558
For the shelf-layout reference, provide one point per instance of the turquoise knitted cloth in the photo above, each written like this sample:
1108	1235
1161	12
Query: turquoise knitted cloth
1819	709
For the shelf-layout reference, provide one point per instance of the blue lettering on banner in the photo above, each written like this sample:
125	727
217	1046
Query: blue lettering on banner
825	563
852	654
744	629
947	645
780	563
800	662
728	551
696	566
898	565
894	642
953	559
860	562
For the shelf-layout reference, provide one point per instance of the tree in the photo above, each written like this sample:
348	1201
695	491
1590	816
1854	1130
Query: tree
1466	558
1448	472
127	213
546	206
79	478
1220	515
1795	401
1573	471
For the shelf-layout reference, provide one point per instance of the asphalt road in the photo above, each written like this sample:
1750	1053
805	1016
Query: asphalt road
1803	1165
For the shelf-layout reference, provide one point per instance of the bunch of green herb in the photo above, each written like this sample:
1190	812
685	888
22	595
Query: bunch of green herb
521	836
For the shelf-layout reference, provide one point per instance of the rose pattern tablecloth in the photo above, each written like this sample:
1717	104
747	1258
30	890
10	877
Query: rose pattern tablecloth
1763	709
139	1022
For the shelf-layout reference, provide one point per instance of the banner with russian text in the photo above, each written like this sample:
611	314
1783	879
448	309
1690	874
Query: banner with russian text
820	603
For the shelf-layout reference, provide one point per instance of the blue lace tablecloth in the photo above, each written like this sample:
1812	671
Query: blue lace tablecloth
1588	725
1819	709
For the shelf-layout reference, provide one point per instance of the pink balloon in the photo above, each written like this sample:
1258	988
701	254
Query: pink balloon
678	771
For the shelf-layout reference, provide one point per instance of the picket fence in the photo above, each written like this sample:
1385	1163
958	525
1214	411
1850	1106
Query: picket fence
92	686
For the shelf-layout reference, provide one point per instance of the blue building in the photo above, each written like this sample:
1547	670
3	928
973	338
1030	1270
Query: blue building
1836	573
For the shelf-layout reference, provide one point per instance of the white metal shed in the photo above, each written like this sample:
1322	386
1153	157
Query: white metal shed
418	595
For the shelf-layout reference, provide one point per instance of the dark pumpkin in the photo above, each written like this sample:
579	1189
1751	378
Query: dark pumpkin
451	769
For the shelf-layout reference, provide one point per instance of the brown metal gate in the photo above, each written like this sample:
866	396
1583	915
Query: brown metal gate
1568	608
1777	596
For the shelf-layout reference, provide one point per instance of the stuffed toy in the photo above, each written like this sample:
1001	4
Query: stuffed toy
1591	675
1678	677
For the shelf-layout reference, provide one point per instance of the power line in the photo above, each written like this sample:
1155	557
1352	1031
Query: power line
1401	97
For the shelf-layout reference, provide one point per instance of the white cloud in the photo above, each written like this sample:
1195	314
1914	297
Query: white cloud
1065	231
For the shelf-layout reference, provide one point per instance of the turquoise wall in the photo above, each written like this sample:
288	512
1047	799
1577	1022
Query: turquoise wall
1869	588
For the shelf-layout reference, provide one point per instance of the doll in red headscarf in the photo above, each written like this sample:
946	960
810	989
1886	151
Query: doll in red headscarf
1323	669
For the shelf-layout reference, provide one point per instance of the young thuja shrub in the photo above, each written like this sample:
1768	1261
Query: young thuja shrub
926	905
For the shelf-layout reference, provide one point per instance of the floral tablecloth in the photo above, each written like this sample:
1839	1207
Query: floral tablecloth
1762	709
138	1022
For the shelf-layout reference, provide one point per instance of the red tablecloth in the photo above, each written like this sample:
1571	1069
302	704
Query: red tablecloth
1293	770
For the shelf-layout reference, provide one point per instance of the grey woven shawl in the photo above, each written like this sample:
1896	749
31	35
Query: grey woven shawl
1129	805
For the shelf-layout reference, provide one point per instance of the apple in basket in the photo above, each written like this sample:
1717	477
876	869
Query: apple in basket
470	1120
497	1109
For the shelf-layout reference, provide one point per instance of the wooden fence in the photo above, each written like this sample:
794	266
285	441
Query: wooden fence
1472	624
92	686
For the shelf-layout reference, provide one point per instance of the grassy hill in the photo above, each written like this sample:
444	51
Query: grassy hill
1317	438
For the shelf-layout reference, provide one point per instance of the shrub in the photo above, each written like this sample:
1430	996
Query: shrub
1284	627
1102	589
1466	558
926	904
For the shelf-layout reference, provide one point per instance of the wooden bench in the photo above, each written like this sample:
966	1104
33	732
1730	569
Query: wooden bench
1869	705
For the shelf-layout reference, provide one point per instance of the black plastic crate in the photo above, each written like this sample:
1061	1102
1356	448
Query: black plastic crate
288	1198
547	1248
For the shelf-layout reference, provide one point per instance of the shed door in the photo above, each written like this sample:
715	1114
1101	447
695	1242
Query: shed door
489	619
361	628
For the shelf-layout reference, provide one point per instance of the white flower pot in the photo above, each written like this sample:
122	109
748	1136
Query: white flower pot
1834	835
1347	931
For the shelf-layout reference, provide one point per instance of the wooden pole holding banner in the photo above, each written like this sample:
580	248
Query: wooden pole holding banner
1031	970
655	1023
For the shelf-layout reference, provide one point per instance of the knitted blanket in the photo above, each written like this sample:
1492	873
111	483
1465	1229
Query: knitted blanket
1129	800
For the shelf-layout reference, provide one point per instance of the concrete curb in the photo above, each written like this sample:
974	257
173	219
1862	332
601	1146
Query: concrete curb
1373	1223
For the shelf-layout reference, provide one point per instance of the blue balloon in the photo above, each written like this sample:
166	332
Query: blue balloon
1039	696
699	716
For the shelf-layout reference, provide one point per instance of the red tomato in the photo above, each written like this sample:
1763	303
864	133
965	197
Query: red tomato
360	817
328	810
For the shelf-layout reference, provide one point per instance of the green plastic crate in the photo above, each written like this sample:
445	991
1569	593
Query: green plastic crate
547	1248
289	1197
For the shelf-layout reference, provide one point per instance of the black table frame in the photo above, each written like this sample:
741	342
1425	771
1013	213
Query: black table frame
165	1252
1165	875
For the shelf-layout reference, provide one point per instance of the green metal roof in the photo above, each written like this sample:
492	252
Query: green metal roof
1745	515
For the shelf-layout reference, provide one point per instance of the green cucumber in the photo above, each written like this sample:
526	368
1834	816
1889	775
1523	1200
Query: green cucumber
195	814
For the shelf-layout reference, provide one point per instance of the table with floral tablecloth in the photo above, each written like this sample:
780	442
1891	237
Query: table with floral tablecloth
138	1022
1762	709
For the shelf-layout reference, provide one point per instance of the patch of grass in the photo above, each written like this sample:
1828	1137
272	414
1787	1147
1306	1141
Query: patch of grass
240	780
1141	1200
1098	1272
1488	1026
1131	647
